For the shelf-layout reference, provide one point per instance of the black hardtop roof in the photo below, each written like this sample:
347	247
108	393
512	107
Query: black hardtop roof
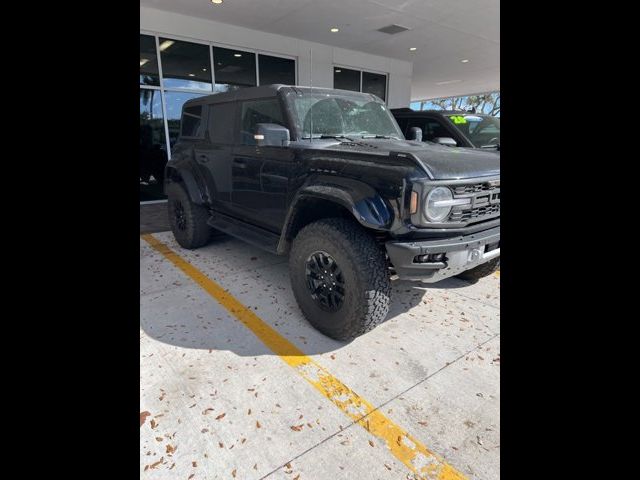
413	113
264	91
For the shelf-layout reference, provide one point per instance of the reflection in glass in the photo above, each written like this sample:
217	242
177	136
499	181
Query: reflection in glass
346	79
148	61
374	83
276	70
153	147
233	69
185	64
174	102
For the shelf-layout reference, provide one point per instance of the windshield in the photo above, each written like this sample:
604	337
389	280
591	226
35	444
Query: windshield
324	115
483	131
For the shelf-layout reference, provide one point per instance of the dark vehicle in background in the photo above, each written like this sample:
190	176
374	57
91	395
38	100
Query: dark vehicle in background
451	127
327	177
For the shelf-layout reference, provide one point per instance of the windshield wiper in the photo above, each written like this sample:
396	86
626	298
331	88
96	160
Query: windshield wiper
337	137
381	136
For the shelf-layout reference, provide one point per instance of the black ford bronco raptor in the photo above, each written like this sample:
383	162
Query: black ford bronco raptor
328	177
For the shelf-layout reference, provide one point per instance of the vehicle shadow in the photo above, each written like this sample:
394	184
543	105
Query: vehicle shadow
171	316
204	328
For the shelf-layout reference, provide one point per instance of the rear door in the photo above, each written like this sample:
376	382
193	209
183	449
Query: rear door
216	159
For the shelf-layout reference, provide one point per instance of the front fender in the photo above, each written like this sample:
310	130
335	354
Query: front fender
366	205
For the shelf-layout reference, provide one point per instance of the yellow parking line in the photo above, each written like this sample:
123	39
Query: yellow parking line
409	450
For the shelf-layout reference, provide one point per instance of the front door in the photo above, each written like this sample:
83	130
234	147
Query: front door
260	175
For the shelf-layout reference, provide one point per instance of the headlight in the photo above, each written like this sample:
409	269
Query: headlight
438	204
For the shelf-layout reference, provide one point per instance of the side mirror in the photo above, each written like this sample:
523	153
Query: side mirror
448	141
271	134
415	133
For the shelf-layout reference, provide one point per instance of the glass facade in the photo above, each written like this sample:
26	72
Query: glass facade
173	71
360	81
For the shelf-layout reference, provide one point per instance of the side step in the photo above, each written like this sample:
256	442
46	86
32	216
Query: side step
256	236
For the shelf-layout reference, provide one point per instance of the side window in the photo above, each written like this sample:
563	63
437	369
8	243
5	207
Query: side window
222	122
191	121
259	111
431	128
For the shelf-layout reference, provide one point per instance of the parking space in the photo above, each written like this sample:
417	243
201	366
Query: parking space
236	384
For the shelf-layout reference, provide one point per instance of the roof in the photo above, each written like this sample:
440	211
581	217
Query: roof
415	113
263	91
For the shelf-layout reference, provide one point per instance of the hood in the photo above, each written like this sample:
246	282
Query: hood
440	162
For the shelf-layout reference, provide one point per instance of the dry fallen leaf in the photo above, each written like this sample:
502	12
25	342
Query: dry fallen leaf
143	417
233	473
424	424
207	410
153	424
258	424
296	428
371	443
388	467
221	445
194	464
154	465
220	416
171	449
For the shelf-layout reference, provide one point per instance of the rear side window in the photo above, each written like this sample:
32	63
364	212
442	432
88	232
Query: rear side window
259	111
191	121
222	122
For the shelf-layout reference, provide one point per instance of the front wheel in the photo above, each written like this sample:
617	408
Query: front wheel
340	278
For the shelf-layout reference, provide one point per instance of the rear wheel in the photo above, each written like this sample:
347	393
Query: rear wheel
481	271
188	220
340	278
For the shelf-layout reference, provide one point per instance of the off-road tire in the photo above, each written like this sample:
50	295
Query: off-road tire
480	271
363	265
190	230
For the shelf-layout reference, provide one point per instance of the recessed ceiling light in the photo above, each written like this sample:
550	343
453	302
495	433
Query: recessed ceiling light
334	29
204	69
412	49
217	2
166	44
465	61
338	70
192	74
143	61
237	54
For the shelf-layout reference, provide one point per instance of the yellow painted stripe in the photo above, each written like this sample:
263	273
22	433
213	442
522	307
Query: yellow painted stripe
409	450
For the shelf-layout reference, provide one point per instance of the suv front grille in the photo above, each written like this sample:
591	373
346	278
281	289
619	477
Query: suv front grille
478	187
474	213
485	203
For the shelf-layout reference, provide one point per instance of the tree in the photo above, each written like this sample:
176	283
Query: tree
488	103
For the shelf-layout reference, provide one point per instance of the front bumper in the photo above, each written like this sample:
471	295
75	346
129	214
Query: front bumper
461	253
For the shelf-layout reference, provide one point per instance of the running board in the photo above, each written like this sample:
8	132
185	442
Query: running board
256	236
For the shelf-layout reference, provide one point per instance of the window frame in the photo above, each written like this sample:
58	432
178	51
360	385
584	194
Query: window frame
361	70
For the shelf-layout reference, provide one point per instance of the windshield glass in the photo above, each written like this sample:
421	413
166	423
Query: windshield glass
483	131
330	115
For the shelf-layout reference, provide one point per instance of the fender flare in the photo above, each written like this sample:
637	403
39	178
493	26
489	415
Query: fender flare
365	204
190	183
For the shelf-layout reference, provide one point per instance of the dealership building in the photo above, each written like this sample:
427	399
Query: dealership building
191	48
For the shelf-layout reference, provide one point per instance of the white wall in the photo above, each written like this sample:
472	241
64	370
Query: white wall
324	56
